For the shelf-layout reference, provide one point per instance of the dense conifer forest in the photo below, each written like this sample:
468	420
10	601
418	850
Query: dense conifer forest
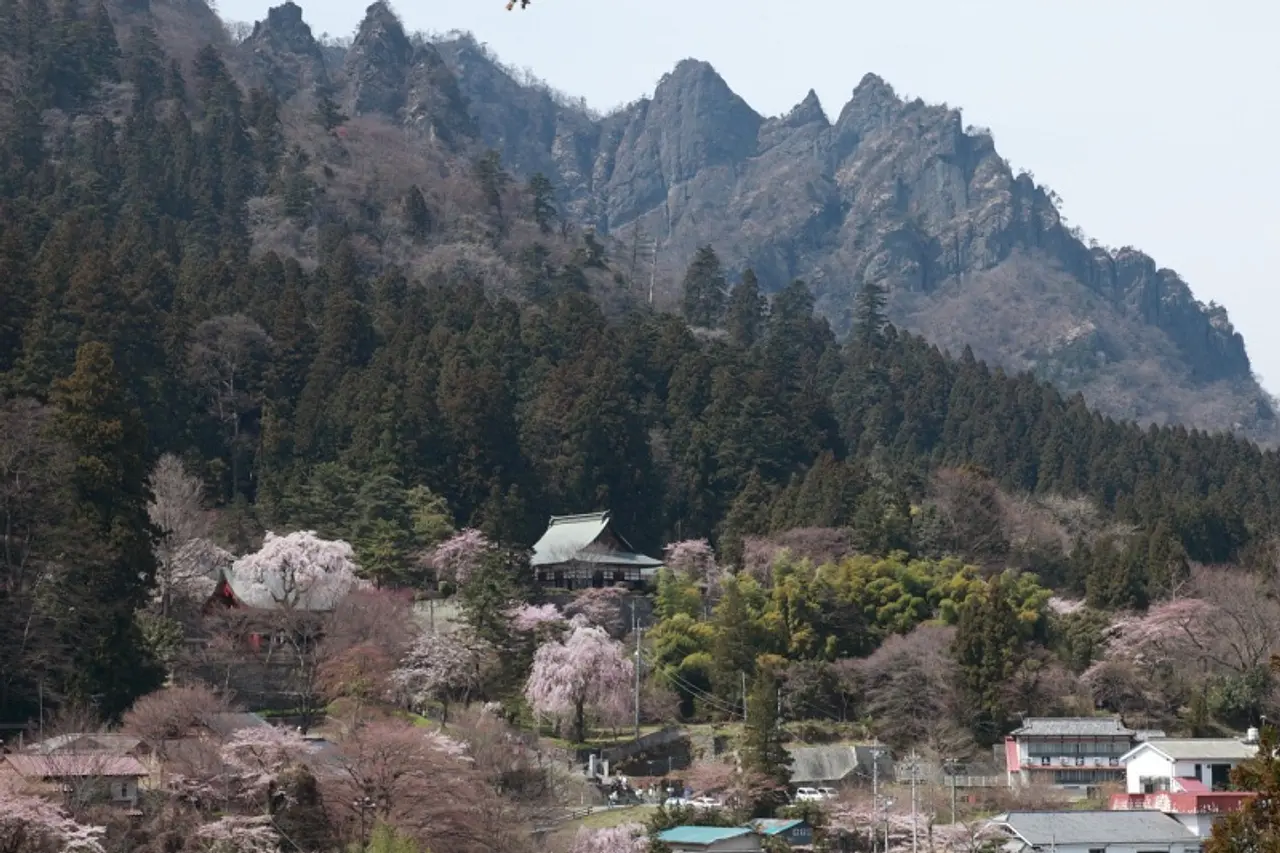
319	392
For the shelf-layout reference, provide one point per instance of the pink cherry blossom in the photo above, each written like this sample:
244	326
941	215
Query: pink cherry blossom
443	667
238	834
624	838
299	571
31	823
528	618
458	557
587	672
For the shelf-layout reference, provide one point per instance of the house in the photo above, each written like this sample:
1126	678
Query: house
711	839
82	778
1094	832
1186	779
1074	753
1153	766
579	551
839	763
98	742
796	833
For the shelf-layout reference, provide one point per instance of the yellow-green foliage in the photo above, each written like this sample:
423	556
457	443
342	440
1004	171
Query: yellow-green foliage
835	610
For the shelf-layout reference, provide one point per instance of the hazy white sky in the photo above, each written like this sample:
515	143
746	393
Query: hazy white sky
1155	120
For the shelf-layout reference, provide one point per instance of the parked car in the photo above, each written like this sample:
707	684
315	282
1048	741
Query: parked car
676	802
814	795
705	802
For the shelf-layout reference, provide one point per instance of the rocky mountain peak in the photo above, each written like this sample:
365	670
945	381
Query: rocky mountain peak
285	53
873	104
378	63
808	111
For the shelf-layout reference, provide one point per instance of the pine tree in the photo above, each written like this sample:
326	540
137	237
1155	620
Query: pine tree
746	313
543	197
112	577
988	647
869	317
417	213
762	747
328	115
704	289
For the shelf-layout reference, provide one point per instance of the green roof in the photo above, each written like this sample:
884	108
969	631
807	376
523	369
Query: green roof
572	538
775	826
702	834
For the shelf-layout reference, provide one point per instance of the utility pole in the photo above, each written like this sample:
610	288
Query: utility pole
639	632
744	698
951	767
875	795
913	765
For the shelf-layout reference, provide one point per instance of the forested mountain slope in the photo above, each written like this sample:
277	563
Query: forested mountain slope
321	311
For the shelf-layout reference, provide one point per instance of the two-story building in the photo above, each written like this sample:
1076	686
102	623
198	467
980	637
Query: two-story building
1074	753
582	551
1186	779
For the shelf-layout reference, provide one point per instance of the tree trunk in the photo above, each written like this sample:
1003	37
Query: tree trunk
580	722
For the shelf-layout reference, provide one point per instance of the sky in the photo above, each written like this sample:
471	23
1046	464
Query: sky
1156	121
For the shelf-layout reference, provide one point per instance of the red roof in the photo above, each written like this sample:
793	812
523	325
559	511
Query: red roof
76	765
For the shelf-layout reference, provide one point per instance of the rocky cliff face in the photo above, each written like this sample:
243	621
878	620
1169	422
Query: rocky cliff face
892	191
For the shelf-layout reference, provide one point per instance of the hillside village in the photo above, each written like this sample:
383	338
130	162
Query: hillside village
361	490
304	702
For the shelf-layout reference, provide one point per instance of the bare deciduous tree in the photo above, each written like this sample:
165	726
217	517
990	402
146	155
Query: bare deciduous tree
177	510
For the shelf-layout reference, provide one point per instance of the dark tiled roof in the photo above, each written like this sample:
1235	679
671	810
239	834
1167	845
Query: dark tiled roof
1073	727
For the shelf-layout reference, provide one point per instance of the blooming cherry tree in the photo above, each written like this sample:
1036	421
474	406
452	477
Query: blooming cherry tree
31	824
586	672
529	618
299	571
443	667
255	758
694	559
602	607
458	557
238	834
624	838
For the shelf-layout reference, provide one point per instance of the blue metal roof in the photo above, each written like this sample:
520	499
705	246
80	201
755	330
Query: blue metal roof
774	825
702	834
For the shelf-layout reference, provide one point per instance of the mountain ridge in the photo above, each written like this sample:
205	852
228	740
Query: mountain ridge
897	192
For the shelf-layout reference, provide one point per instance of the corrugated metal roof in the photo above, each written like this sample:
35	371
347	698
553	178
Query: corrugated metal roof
1189	749
1073	727
1095	827
775	825
571	537
702	834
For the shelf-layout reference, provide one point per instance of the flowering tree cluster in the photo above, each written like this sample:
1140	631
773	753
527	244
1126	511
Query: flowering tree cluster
443	667
603	607
624	838
299	571
457	558
693	558
34	825
586	672
237	834
530	618
418	781
255	757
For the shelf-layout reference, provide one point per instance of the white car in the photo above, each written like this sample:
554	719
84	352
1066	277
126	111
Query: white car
814	795
676	802
705	802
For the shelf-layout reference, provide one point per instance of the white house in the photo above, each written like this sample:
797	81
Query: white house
1152	766
1094	832
1185	779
